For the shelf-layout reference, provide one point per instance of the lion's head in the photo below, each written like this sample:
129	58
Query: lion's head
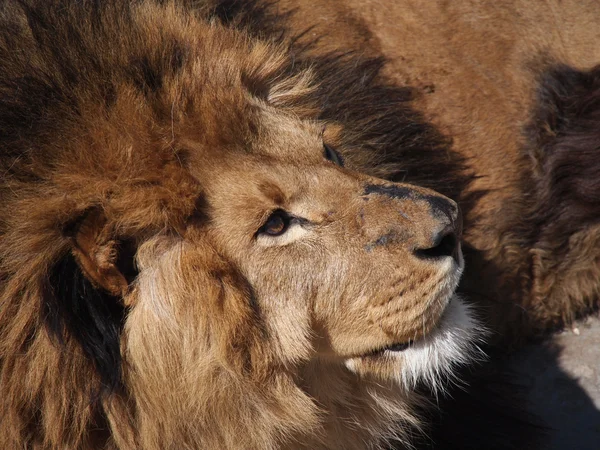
186	260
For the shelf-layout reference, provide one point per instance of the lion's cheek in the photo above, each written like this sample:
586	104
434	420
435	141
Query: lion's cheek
432	359
355	319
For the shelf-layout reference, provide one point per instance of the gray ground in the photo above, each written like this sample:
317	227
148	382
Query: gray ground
562	376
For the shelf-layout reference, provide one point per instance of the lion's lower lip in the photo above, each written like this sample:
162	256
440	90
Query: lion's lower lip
402	346
398	347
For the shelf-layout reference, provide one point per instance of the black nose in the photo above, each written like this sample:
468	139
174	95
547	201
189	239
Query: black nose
445	241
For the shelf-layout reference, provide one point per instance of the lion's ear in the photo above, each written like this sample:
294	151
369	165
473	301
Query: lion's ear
104	260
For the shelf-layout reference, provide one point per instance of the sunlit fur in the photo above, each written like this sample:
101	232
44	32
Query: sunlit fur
431	360
144	145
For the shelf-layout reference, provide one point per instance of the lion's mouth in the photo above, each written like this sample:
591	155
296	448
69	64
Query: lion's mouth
401	346
398	347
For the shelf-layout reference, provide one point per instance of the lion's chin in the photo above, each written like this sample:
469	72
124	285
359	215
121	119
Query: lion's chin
432	359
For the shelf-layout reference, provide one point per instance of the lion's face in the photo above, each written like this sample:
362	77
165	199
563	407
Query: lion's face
328	263
210	254
359	263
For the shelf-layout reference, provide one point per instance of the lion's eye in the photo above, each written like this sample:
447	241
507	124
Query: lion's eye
277	223
332	155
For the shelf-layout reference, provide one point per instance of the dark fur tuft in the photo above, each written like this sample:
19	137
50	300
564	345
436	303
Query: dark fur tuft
73	307
256	17
563	207
565	137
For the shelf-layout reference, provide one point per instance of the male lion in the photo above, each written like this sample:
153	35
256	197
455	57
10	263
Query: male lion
208	241
186	263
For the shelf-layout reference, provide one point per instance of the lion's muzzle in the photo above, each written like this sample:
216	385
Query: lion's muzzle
427	223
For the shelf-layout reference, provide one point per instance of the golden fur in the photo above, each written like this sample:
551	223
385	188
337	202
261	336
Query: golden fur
145	304
183	262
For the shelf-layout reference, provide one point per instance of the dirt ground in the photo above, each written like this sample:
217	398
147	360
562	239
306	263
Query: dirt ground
562	377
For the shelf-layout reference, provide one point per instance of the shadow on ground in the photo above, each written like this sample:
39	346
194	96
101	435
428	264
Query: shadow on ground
545	396
561	382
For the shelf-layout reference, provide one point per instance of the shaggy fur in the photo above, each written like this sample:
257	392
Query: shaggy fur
149	299
152	152
564	147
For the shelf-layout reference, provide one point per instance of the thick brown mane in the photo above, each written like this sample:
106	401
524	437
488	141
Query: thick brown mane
110	114
208	238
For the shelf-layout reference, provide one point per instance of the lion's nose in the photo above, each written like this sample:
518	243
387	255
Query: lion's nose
424	222
444	241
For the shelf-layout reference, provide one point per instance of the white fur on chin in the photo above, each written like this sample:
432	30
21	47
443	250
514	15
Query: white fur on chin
433	358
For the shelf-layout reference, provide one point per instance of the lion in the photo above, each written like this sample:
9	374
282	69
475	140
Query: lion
186	260
223	227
